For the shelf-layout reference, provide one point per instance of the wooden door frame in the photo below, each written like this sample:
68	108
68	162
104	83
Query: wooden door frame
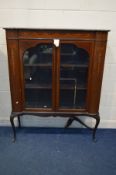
23	45
90	49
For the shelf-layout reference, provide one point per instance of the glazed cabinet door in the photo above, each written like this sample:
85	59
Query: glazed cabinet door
73	74
38	68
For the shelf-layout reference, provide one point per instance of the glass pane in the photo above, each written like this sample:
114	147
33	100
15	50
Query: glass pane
38	76
73	76
71	54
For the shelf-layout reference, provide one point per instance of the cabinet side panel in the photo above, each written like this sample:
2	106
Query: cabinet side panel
14	75
96	76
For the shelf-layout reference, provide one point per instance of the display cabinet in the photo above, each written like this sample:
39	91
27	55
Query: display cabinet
56	73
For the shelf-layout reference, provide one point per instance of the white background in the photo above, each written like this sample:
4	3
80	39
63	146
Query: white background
70	14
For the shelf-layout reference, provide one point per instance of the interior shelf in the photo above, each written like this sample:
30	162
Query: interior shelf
49	65
48	86
38	86
39	65
74	65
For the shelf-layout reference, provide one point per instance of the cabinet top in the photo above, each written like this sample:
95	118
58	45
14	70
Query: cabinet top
57	29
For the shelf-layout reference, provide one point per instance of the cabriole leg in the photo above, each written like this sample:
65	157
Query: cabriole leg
13	127
97	117
69	122
19	122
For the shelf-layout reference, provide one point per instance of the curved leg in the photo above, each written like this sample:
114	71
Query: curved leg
19	122
69	122
81	122
13	127
96	117
96	126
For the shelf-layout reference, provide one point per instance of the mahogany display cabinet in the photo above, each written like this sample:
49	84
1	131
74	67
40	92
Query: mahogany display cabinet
56	73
